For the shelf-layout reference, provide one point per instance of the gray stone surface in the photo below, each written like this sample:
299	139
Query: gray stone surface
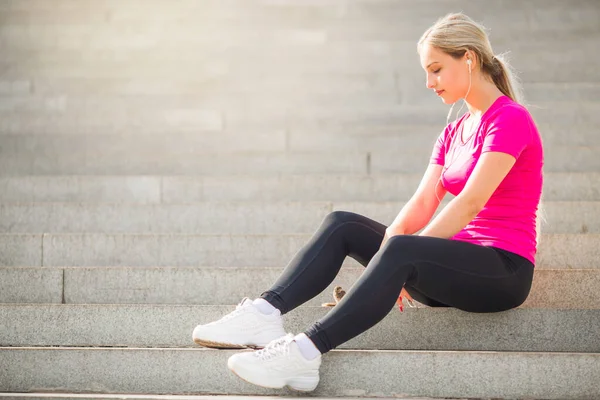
277	91
571	158
135	154
89	250
552	121
127	189
168	250
274	92
543	330
144	155
568	251
13	87
137	93
565	91
203	371
401	49
21	250
536	92
556	159
248	217
421	136
569	217
270	14
259	127
564	288
551	288
571	186
200	218
555	216
102	396
177	189
31	285
207	286
338	187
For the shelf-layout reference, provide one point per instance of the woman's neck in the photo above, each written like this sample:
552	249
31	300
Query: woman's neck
481	97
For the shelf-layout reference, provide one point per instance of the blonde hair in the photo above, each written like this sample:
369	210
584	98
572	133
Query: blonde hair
456	33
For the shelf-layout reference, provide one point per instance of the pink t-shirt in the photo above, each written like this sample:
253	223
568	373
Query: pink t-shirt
508	220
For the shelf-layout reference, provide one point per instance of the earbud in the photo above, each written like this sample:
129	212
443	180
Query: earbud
468	61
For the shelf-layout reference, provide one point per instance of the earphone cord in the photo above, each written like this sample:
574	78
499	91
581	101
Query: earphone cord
457	114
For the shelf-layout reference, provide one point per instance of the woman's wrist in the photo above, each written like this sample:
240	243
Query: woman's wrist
394	231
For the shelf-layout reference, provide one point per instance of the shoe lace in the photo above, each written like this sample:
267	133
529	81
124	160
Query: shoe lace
275	348
235	312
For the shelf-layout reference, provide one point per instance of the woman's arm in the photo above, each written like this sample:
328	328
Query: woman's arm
417	213
420	208
487	175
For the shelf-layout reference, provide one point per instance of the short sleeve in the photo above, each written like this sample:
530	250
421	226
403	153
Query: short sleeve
509	132
438	155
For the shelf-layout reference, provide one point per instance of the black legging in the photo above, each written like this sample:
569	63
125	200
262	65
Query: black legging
436	272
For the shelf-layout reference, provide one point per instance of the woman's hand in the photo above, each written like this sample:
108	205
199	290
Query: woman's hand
403	294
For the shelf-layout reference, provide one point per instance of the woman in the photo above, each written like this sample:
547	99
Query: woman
478	253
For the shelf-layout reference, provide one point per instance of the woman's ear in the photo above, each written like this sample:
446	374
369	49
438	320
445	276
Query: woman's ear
469	55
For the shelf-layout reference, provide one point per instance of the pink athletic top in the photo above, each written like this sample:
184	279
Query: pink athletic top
508	220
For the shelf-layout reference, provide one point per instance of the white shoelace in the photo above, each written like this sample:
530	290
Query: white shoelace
232	314
276	347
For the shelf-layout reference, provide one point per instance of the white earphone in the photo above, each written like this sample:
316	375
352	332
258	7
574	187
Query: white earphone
469	62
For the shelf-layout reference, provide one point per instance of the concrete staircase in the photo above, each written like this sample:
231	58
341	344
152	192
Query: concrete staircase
161	160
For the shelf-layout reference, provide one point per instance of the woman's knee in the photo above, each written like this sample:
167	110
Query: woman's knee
336	218
399	252
399	243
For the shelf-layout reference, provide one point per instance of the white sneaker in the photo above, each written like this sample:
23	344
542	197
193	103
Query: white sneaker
279	364
244	327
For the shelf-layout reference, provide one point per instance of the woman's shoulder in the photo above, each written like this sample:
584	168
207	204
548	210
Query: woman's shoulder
514	122
509	112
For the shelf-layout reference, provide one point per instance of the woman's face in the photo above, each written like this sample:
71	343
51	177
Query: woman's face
447	76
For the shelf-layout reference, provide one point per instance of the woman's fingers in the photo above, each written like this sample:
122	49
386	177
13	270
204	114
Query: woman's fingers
409	300
400	305
404	293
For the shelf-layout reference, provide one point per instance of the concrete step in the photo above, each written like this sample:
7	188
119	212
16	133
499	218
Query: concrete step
557	158
278	91
282	53
246	30
161	250
103	396
571	186
238	91
383	187
119	189
333	15
100	155
560	288
223	218
536	93
204	371
246	26
287	50
554	120
519	329
228	154
581	119
235	91
342	93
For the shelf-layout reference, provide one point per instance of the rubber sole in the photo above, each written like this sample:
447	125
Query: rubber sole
274	387
220	345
